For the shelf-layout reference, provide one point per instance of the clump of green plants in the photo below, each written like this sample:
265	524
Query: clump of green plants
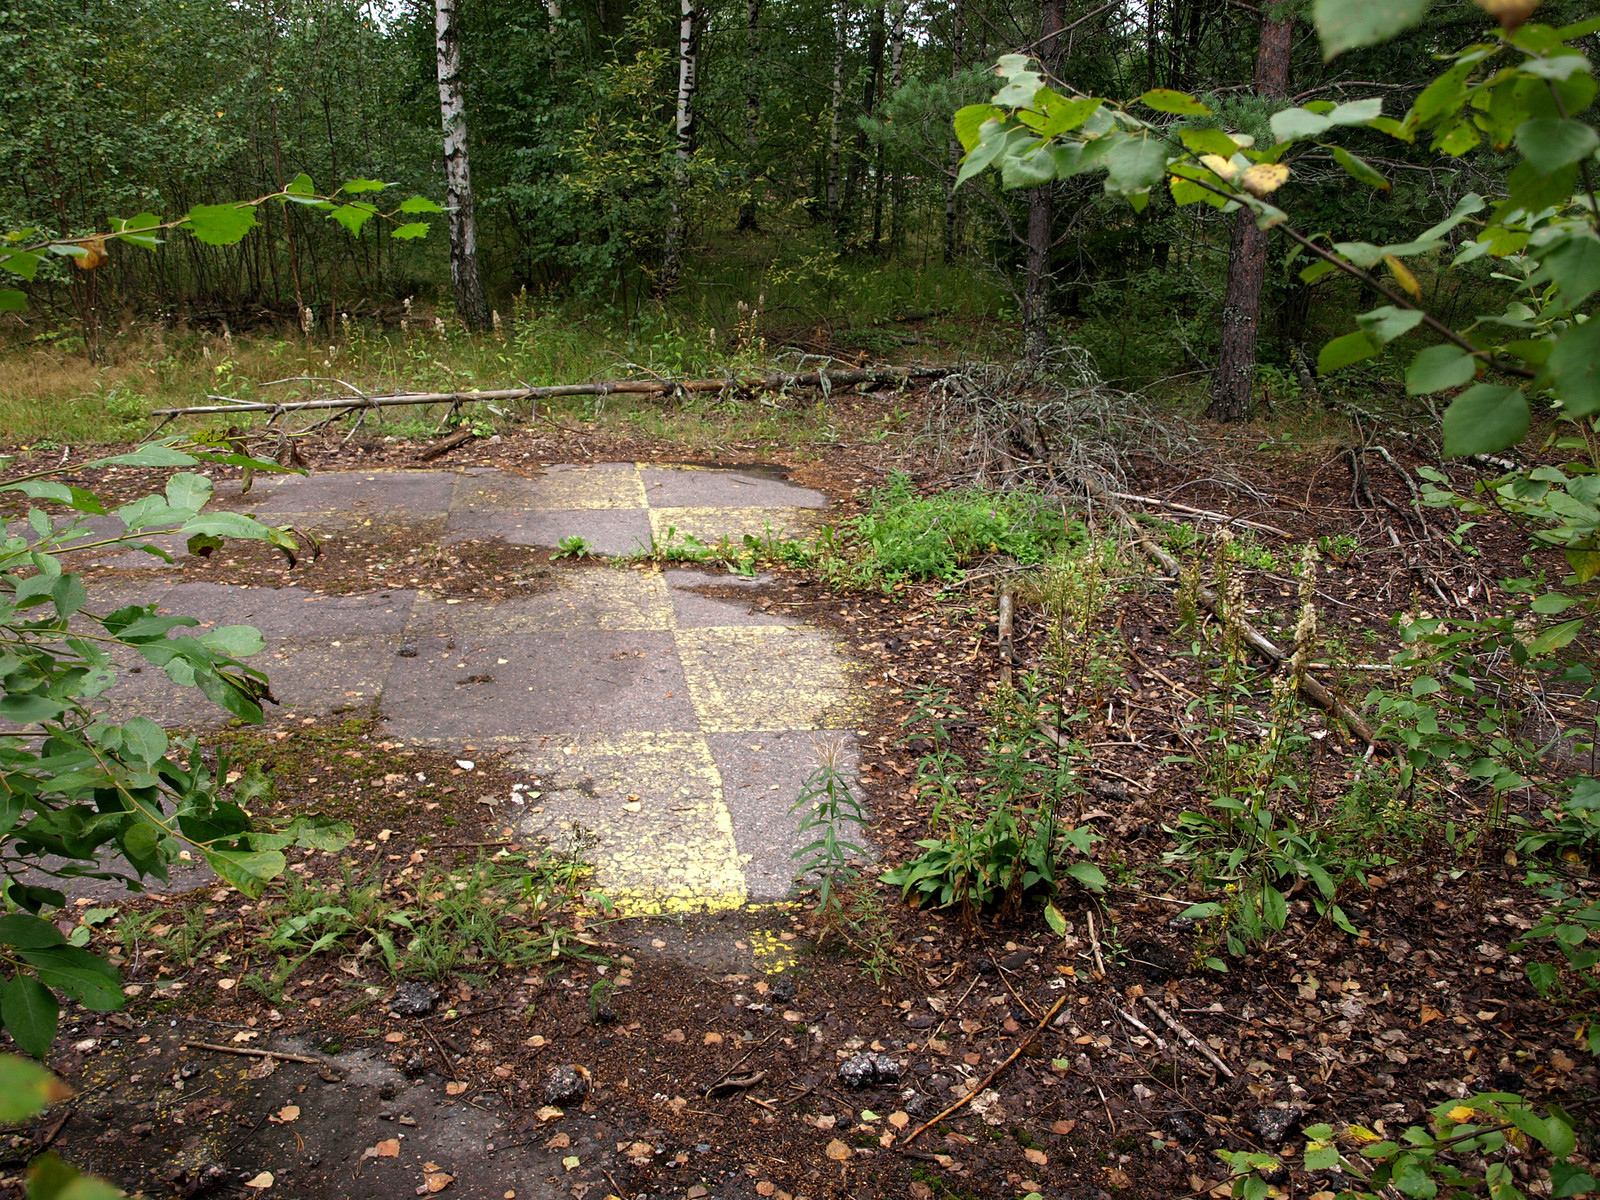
1484	1144
828	807
1008	840
1261	836
903	535
497	911
572	546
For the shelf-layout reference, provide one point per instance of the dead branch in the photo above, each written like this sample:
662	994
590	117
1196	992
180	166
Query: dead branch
251	1052
989	1078
1312	688
776	382
1203	513
439	449
1008	604
1182	1030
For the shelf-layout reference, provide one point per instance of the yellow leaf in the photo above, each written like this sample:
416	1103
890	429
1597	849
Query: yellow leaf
1219	166
1403	276
838	1151
1510	13
570	1162
262	1181
1362	1134
1460	1113
437	1181
94	255
1263	178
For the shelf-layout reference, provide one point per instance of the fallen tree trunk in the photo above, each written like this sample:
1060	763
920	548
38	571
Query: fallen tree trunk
749	383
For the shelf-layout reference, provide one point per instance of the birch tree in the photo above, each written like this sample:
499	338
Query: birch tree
897	53
470	303
684	130
958	35
835	110
1247	255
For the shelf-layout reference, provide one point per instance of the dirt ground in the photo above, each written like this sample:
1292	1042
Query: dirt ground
1108	1064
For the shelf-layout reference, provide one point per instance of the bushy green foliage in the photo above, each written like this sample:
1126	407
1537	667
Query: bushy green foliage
75	785
902	534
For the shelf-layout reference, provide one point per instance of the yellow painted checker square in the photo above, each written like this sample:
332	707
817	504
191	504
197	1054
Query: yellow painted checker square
654	802
767	677
582	598
711	525
607	485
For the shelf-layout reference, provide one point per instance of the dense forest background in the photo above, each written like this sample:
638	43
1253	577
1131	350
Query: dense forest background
814	184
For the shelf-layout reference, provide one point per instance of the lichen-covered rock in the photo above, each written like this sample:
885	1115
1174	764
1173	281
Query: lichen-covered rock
566	1085
865	1070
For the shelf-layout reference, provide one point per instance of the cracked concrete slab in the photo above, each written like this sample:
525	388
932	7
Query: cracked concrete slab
673	729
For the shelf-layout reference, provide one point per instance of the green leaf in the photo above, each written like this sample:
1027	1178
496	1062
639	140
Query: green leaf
1550	143
220	224
12	300
1168	101
236	641
144	740
300	185
1555	637
1274	908
356	186
1356	112
1293	124
1089	875
421	204
353	216
1054	919
1342	351
1209	141
22	262
1573	264
1438	368
132	230
412	229
249	871
1135	164
1574	366
967	122
1359	168
1484	419
1346	24
30	1012
85	977
27	932
1385	324
27	709
26	1089
188	490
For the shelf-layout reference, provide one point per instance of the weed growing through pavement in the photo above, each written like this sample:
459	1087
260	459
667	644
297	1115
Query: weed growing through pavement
499	911
828	811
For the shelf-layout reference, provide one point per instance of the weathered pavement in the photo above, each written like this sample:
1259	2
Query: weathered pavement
675	727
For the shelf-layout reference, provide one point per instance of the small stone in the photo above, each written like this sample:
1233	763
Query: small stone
406	652
414	998
415	1065
784	989
566	1085
864	1070
1275	1124
921	1021
1178	1125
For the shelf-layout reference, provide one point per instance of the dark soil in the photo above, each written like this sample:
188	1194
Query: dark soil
1106	1098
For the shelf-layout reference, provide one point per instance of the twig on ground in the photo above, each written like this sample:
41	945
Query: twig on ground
990	1077
252	1052
1094	941
1182	1030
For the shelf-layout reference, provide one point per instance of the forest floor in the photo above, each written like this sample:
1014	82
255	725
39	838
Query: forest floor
713	1042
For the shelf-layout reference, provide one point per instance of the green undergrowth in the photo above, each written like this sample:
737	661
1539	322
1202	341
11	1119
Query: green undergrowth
904	535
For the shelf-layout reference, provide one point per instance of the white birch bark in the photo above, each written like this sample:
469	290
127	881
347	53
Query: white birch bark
688	79
752	111
470	303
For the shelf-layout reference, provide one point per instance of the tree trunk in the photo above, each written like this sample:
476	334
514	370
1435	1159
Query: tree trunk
688	79
897	54
1041	217
1247	257
870	84
752	113
958	34
470	303
835	111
